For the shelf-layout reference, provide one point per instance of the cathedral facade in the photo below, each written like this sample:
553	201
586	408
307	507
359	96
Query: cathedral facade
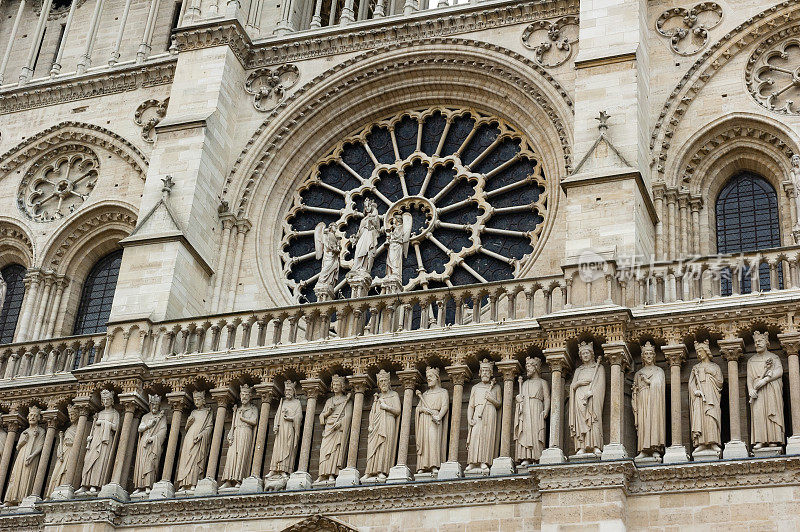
419	265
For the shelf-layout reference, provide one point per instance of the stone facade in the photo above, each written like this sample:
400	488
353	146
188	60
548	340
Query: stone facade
550	173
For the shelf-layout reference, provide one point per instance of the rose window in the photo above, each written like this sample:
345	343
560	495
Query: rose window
470	187
58	183
775	82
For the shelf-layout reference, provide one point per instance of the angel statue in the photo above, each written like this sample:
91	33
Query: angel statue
366	239
398	235
327	247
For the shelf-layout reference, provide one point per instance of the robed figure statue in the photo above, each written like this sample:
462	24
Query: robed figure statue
382	431
26	462
648	398
431	424
328	249
196	441
335	420
240	440
586	397
765	388
152	434
100	446
532	408
483	433
66	439
705	410
286	427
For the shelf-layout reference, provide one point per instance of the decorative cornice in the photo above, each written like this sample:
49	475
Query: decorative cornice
212	34
595	475
73	88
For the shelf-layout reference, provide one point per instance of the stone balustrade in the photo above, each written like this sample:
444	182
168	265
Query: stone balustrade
48	357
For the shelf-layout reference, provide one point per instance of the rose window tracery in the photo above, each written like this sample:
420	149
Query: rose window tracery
58	183
775	80
470	186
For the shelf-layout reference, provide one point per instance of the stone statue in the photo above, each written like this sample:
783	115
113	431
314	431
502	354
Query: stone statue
649	405
397	236
29	449
586	397
66	439
533	407
100	446
194	450
765	388
3	290
288	422
705	389
366	239
383	430
431	424
483	433
335	420
794	177
152	433
240	440
327	248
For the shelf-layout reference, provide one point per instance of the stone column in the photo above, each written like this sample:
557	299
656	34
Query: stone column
86	58
695	203
38	35
559	361
401	472
731	350
285	25
301	479
56	68
164	489
619	358
254	483
791	344
75	457
208	485
32	280
147	38
131	402
52	417
242	228
504	464
12	37
676	355
40	316
13	422
349	476
120	32
459	374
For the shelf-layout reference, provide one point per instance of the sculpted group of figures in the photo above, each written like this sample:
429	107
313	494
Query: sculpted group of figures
530	410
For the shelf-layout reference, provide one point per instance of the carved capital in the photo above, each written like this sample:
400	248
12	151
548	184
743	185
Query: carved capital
675	353
85	404
223	396
618	354
132	401
313	387
790	342
53	417
13	421
558	359
731	349
459	374
360	382
266	390
410	378
179	400
508	369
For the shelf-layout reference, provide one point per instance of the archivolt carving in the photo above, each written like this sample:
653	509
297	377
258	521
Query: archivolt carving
269	85
687	29
56	11
708	64
773	72
148	115
553	43
58	182
79	133
15	245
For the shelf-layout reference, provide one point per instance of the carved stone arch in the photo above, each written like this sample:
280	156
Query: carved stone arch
725	147
75	249
319	523
16	244
770	21
430	73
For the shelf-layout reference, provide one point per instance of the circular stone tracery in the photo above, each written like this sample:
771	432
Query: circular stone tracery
472	184
774	81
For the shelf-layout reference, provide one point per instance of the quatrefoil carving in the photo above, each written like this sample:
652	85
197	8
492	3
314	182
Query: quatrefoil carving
269	85
553	43
687	29
148	115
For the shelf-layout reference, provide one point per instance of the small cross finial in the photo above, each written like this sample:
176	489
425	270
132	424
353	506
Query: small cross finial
166	188
603	119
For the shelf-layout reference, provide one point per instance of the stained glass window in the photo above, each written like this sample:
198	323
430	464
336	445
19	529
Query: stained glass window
13	274
97	295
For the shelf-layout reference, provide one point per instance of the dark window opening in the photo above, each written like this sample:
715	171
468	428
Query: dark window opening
176	15
39	51
14	276
97	295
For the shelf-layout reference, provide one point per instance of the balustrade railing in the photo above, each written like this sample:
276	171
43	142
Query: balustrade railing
48	357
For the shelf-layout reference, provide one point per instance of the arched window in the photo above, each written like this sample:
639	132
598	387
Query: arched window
747	220
13	274
97	295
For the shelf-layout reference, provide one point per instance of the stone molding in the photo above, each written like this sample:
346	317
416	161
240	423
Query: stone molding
55	92
775	46
689	26
14	237
706	66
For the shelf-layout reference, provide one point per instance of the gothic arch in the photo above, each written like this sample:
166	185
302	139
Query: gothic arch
675	108
16	244
432	73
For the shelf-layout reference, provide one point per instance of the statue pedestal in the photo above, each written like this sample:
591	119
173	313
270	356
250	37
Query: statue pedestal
251	485
503	465
163	489
360	283
425	476
275	482
675	454
323	293
647	460
793	445
709	455
113	491
63	493
347	477
29	502
206	487
450	470
552	455
614	451
585	457
323	484
735	449
767	452
401	473
299	480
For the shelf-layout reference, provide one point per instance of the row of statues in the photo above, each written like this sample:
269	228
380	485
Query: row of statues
328	249
530	410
